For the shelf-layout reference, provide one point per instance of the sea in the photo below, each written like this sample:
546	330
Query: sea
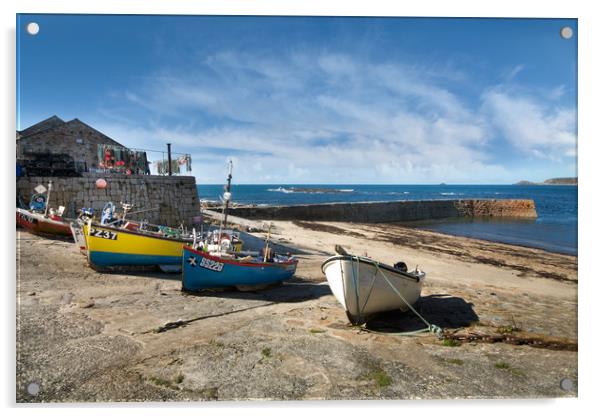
555	228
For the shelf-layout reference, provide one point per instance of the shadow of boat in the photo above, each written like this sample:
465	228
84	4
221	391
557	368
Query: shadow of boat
445	311
25	233
150	272
286	292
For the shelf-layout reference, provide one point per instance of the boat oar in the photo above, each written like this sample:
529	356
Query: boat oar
267	241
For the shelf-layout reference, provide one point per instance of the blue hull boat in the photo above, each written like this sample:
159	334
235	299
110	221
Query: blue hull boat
200	270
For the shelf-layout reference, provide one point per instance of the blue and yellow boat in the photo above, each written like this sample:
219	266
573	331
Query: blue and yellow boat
109	246
202	270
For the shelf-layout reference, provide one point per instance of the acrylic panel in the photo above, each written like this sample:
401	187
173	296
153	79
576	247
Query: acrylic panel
295	208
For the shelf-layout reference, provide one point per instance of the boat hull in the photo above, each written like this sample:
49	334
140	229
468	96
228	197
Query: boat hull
359	286
109	246
39	224
203	271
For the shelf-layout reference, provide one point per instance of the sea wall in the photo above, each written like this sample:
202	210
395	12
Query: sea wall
393	211
175	198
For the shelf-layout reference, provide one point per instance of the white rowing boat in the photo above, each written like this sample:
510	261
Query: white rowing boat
365	287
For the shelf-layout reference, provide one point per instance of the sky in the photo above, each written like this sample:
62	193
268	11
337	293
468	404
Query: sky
315	100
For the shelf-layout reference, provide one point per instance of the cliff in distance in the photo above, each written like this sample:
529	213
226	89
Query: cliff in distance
552	181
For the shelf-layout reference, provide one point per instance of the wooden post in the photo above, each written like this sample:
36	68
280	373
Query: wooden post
169	158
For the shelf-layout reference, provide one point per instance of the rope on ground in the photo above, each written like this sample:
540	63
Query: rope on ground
434	329
181	322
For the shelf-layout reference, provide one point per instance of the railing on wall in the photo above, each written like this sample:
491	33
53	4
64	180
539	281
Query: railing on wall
130	161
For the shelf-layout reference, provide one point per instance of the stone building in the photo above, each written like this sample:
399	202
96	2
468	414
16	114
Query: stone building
169	200
55	136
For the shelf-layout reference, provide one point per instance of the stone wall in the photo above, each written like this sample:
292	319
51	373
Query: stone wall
392	211
523	208
175	197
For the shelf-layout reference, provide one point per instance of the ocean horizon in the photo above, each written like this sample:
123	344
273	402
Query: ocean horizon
554	230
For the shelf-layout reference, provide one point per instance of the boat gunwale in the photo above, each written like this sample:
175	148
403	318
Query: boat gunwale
46	219
141	234
239	263
366	260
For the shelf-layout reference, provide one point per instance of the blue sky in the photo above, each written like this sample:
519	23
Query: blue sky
314	99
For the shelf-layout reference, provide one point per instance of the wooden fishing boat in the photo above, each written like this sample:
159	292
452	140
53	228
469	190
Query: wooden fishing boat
365	287
109	246
42	224
202	270
110	218
39	218
217	260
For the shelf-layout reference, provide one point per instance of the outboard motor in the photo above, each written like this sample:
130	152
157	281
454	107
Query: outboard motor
400	265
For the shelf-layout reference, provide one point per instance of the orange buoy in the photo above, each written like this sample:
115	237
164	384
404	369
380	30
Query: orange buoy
101	183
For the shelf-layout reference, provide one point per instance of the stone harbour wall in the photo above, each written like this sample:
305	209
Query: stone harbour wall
523	208
175	197
392	211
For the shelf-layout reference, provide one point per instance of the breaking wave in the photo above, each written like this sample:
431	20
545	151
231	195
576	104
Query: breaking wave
309	190
281	189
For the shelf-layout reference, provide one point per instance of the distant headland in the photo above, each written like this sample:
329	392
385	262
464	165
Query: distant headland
552	181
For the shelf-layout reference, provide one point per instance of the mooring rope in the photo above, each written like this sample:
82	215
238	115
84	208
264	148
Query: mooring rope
434	329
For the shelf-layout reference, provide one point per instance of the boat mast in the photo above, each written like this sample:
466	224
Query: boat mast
47	199
227	194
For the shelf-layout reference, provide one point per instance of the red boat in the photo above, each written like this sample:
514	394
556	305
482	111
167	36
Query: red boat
38	223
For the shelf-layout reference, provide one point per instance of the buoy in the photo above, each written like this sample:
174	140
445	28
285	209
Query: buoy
101	183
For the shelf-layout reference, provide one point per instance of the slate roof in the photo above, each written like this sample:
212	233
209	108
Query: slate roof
50	123
54	122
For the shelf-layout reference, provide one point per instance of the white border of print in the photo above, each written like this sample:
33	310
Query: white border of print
590	25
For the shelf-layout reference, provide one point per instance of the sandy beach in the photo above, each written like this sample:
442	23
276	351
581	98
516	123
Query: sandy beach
509	313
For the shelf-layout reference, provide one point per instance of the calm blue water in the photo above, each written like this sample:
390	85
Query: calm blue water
555	229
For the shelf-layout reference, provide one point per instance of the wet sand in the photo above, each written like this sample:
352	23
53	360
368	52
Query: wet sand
89	336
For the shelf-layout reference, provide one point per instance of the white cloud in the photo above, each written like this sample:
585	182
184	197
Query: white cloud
557	92
531	125
513	72
334	118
